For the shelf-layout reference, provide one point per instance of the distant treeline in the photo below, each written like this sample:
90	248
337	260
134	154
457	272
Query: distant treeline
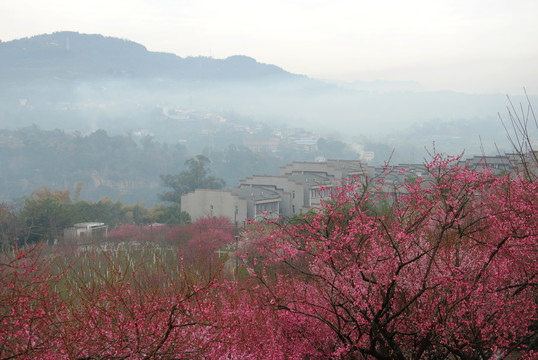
45	214
123	167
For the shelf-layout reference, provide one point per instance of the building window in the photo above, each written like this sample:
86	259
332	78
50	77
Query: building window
267	208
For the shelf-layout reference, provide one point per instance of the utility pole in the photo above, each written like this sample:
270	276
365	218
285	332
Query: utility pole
236	257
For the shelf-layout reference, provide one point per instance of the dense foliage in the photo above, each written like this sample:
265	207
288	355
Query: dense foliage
46	213
107	166
196	177
120	166
446	269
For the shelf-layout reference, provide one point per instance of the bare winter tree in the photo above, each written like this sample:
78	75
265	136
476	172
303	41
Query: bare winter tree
521	128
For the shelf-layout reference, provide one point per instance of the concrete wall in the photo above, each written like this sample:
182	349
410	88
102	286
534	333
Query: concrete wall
216	203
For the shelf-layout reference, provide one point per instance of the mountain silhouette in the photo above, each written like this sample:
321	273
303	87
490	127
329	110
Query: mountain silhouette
84	82
72	55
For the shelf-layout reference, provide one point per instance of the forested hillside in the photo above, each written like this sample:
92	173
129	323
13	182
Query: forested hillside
128	167
71	55
107	166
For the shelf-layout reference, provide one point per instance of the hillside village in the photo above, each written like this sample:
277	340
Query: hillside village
210	129
301	186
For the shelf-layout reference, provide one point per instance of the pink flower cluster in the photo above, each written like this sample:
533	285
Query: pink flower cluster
446	270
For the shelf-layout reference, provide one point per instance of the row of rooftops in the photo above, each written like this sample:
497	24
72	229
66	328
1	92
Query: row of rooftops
257	194
297	187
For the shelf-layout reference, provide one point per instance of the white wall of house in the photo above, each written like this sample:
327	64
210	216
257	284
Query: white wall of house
215	203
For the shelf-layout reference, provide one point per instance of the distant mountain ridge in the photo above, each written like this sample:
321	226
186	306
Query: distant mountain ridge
72	55
82	82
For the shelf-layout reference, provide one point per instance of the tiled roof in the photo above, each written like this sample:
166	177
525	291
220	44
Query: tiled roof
256	193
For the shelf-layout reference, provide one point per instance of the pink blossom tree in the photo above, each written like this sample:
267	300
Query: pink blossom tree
138	313
448	271
208	235
27	305
129	310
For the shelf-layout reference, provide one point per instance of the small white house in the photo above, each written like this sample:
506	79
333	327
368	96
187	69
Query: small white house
87	231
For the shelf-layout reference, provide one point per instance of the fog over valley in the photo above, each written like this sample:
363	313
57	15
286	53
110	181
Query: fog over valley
77	85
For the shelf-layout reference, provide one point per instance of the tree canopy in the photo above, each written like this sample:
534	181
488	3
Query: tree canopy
197	176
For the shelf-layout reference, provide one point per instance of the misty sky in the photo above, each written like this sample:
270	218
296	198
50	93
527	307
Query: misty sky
464	45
